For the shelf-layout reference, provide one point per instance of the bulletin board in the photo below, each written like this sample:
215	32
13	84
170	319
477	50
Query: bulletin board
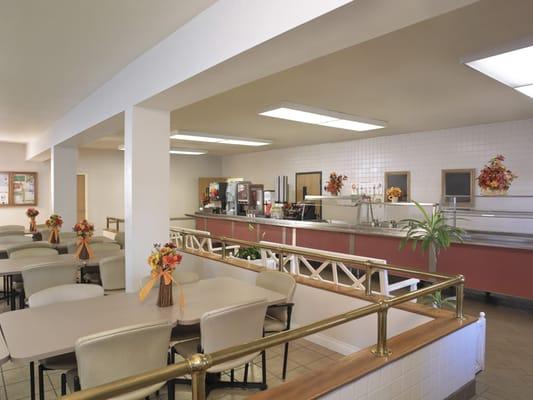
18	189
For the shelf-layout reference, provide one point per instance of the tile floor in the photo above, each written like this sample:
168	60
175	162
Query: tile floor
508	374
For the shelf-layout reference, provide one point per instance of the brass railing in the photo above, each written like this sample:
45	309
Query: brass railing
198	364
117	221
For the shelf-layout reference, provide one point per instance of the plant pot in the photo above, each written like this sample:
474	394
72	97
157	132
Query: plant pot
33	225
394	200
54	236
493	192
164	298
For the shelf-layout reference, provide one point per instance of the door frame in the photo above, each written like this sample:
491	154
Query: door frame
86	179
320	185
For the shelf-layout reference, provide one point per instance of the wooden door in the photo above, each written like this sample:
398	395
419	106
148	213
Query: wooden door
81	197
308	183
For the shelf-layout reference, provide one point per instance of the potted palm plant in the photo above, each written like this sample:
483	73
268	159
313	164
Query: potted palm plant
432	233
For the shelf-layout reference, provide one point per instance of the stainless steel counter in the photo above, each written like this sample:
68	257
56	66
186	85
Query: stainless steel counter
480	238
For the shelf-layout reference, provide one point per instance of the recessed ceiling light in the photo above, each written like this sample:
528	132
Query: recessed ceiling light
316	116
208	138
513	68
173	150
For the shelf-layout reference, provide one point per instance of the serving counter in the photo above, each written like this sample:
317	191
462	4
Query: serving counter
491	262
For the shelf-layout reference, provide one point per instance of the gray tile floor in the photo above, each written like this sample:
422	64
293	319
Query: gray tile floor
508	374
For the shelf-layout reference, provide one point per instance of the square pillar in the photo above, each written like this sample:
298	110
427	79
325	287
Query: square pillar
146	188
63	167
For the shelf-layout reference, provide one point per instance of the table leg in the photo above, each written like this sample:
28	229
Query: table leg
32	381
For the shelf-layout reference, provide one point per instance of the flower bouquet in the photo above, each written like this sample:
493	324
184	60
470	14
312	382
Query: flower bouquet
32	213
393	194
163	261
84	231
335	183
55	222
495	178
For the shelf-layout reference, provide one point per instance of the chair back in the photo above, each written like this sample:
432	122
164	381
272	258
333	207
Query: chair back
107	356
15	228
120	238
279	282
65	236
15	239
38	277
113	272
11	233
231	326
32	249
62	293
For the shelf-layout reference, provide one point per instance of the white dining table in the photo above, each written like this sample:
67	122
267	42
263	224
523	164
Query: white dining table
36	333
61	247
14	266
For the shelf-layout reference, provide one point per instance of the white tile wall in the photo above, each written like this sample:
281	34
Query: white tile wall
432	373
425	154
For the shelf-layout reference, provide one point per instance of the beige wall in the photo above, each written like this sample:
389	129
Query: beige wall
104	171
13	158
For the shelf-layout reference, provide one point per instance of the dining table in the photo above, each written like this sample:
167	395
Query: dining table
60	325
61	247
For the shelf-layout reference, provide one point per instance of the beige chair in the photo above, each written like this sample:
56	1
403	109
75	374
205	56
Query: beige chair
67	236
38	277
120	237
11	233
278	316
227	327
180	276
64	293
33	249
16	228
120	353
113	274
97	244
15	239
52	295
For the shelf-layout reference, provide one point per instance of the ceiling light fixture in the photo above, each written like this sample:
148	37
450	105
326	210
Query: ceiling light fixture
209	138
512	67
316	116
173	150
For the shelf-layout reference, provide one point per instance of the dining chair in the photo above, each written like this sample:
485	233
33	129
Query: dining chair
59	294
111	355
120	238
33	249
227	327
91	273
19	228
38	277
278	316
113	274
11	233
97	244
14	239
180	276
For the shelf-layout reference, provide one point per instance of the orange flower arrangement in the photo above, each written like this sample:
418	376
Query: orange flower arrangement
163	261
55	222
393	192
335	183
84	230
32	213
495	177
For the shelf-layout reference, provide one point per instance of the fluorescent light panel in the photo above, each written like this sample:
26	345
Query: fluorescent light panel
208	138
173	150
315	116
513	68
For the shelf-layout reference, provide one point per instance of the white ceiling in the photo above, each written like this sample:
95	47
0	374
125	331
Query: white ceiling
54	53
411	78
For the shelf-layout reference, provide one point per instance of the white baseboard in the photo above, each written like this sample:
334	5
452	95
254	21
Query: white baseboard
328	342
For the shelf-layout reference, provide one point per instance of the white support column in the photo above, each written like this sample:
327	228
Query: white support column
146	187
63	180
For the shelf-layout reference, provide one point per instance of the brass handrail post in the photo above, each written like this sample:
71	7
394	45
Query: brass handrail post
223	248
459	295
368	280
183	241
281	260
381	349
199	363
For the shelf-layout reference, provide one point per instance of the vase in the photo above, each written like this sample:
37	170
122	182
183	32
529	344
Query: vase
493	192
394	200
83	251
33	225
54	236
164	299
